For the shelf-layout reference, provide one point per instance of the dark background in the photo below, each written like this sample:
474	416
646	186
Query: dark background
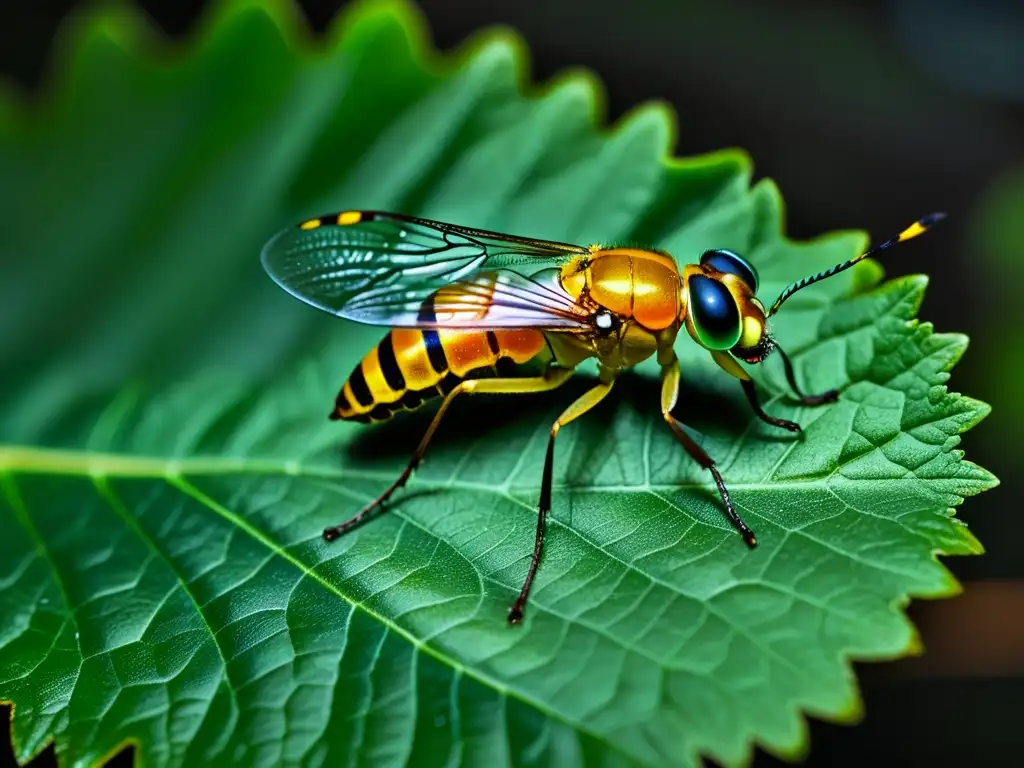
868	115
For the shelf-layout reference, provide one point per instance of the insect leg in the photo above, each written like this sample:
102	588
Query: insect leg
825	397
729	365
669	395
751	392
586	401
552	378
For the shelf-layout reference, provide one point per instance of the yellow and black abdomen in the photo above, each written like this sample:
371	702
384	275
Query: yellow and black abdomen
410	366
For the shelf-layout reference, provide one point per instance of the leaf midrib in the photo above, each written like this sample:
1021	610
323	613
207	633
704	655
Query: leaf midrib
28	460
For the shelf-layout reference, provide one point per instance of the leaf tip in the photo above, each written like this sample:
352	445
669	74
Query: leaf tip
971	542
23	753
984	479
918	282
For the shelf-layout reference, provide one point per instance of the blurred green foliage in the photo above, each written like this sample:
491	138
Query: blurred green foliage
997	236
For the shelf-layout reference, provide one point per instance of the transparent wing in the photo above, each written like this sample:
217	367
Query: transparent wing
401	271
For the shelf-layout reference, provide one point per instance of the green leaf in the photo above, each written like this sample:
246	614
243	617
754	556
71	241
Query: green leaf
167	465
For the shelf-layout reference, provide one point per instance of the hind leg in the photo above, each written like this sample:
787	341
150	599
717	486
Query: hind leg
552	378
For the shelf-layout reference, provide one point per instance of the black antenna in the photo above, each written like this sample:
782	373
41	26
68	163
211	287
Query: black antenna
919	227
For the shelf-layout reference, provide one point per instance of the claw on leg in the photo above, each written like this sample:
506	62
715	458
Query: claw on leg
829	396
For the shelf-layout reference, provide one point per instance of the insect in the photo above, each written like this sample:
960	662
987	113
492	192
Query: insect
471	311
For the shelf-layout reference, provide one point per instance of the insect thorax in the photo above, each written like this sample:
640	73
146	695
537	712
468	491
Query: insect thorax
635	298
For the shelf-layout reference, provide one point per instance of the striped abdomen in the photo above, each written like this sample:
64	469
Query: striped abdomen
411	366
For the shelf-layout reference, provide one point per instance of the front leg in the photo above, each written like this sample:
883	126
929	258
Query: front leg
829	396
729	365
669	395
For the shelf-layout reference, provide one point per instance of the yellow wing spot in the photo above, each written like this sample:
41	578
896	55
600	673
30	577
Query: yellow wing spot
311	224
349	217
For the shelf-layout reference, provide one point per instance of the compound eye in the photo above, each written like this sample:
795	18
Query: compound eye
731	263
714	313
